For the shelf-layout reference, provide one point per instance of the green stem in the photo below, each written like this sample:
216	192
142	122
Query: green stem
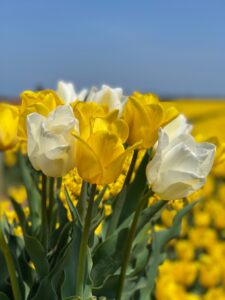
120	199
131	168
51	202
44	221
82	205
10	266
128	247
84	245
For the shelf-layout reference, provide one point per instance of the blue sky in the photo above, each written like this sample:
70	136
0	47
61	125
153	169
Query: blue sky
172	47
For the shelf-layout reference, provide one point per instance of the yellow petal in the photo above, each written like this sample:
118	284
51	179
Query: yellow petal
107	146
8	126
114	169
143	122
86	112
88	164
42	102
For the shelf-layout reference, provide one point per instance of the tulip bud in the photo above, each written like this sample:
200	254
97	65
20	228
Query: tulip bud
108	97
8	126
51	145
66	91
180	165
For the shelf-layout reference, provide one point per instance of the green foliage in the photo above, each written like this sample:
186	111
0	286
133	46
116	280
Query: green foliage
50	271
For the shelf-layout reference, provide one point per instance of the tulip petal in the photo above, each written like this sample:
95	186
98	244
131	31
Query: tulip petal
88	164
113	170
106	146
61	119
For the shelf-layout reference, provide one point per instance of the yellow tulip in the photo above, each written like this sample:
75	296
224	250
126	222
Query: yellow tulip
144	115
100	150
8	126
42	102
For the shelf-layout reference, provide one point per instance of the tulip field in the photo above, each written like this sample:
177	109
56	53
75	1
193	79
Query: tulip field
107	196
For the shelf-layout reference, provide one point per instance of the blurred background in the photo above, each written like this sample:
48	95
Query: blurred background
173	48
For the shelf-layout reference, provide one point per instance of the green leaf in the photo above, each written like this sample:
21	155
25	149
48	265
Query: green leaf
73	210
71	262
108	257
45	291
99	199
20	214
135	190
117	206
61	238
148	213
72	298
37	255
34	197
3	296
159	240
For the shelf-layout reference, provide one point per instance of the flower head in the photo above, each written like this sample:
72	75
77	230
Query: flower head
100	151
144	115
180	165
51	145
107	97
41	102
66	91
9	115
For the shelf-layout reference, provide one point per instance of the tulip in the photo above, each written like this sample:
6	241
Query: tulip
108	97
66	91
177	127
8	126
180	165
42	102
144	115
100	151
51	145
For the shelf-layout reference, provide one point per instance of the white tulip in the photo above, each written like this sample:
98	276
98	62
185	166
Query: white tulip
177	127
180	165
51	145
67	92
112	98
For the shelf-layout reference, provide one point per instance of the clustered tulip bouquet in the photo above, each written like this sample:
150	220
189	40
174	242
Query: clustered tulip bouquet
70	248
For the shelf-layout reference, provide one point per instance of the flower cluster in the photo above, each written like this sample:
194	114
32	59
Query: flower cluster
114	162
64	129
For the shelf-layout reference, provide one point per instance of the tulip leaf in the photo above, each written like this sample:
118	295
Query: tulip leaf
117	207
62	240
149	212
99	199
4	270
108	257
73	209
159	240
3	296
135	190
45	291
34	197
37	255
20	214
71	262
72	298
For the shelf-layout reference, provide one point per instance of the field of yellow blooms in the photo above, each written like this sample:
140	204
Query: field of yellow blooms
104	196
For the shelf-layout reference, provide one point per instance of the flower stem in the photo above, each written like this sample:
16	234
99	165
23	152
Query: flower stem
10	266
82	205
44	221
131	168
51	203
119	201
84	245
127	249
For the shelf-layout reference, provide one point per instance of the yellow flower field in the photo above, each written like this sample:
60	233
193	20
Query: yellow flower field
104	195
